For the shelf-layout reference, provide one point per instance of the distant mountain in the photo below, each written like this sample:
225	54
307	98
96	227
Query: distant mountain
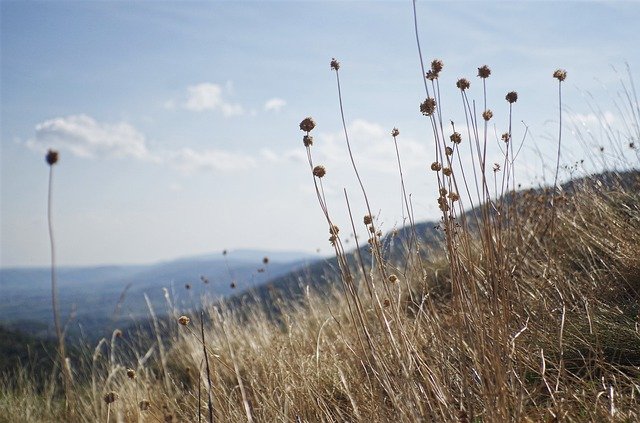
100	297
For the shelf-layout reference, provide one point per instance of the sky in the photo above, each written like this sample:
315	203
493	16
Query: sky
178	122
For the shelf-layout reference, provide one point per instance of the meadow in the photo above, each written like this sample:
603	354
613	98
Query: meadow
525	307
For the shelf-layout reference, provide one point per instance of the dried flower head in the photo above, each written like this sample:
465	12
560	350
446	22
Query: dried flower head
333	239
386	303
333	230
232	285
448	151
506	137
307	140
428	106
447	171
319	171
335	65
51	157
367	219
454	196
183	320
560	74
437	65
395	132
456	138
484	71
393	278
110	397
117	333
187	286
463	84
511	97
307	124
435	166
144	405
131	374
443	191
431	75
487	115
265	260
496	167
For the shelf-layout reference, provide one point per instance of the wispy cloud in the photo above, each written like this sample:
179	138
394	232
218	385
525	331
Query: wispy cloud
210	97
274	105
83	136
189	160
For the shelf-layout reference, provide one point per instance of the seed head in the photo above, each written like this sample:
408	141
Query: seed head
187	286
560	74
51	157
463	84
307	140
319	171
496	167
333	230
144	405
232	285
428	106
131	374
183	320
265	260
387	303
511	97
335	65
448	151
506	137
447	171
395	132
456	138
367	219
117	333
435	166
484	71
443	191
393	278
110	397
436	66
431	75
487	115
307	124
333	239
454	196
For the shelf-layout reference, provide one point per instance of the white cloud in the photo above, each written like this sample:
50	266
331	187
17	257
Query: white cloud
85	137
274	105
189	160
209	97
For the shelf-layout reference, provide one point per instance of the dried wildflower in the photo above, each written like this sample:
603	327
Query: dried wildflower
443	191
333	239
454	196
448	151
131	374
436	66
456	138
393	278
560	74
144	405
51	157
367	219
487	115
435	166
496	167
484	71
307	140
117	333
333	230
204	279
431	75
110	397
511	97
183	320
463	84
444	207
335	65
232	285
632	145
319	171
379	234
506	137
387	303
395	132
447	171
187	286
265	260
428	106
307	124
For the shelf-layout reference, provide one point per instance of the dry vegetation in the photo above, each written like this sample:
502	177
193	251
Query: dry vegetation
528	311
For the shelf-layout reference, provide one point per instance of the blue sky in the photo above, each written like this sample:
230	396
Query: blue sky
177	122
